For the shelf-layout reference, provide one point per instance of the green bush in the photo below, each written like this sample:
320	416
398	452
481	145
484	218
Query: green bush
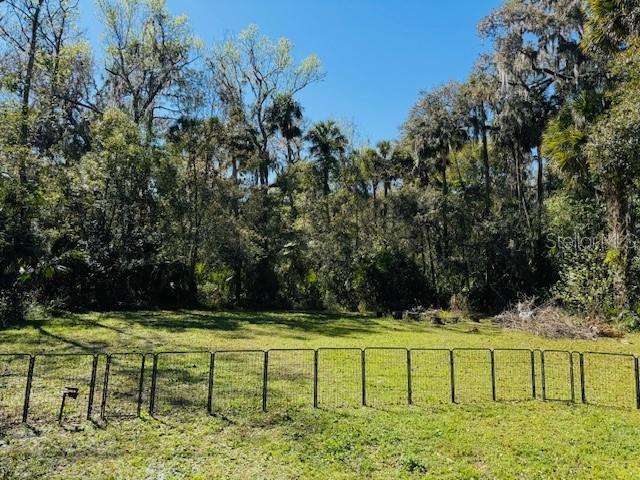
585	283
390	280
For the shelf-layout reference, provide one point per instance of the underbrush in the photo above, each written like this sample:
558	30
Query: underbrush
550	320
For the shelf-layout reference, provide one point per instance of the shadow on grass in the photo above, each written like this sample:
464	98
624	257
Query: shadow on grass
330	324
87	347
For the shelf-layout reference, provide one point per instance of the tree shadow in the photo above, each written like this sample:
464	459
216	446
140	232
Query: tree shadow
325	323
74	344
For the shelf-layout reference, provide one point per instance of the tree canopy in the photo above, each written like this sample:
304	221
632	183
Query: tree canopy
178	173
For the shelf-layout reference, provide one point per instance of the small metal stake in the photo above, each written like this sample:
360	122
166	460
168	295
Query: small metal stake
72	393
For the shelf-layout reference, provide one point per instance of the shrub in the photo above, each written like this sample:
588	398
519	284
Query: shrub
390	280
585	283
12	307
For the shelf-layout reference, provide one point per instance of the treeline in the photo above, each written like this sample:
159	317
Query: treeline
172	173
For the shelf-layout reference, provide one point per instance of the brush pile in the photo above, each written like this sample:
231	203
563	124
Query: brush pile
550	320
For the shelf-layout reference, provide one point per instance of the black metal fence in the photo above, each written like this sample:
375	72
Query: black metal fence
121	385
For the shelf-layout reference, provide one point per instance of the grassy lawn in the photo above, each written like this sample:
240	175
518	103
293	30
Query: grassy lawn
431	439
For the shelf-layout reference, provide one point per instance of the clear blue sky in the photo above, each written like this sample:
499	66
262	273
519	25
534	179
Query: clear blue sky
378	54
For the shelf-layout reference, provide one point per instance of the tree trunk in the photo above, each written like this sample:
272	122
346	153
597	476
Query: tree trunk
617	240
540	193
325	181
445	207
28	79
486	170
434	279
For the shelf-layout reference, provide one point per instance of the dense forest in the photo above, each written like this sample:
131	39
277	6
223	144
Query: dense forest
172	173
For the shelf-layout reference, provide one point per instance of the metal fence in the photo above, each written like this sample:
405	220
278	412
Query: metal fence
67	387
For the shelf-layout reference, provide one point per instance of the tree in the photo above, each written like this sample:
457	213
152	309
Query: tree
327	145
434	129
285	116
610	23
194	146
613	152
39	124
566	135
148	50
477	97
252	73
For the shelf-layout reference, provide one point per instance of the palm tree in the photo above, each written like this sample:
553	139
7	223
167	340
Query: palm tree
565	137
368	161
434	129
284	115
328	145
610	23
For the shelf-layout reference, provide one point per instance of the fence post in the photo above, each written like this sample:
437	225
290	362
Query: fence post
105	388
154	379
409	382
212	364
315	379
583	390
533	375
265	380
141	385
452	377
363	368
27	392
636	368
542	374
493	376
92	385
571	377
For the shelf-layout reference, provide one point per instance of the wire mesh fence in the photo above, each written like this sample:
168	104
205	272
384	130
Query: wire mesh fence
340	377
515	374
473	375
13	383
122	389
608	379
179	382
431	379
557	372
290	378
55	377
386	381
70	387
239	381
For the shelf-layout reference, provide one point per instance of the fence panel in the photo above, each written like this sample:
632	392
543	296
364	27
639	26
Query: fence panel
181	382
339	377
290	378
557	372
13	383
514	374
609	379
430	376
234	380
123	383
472	375
54	374
238	381
386	376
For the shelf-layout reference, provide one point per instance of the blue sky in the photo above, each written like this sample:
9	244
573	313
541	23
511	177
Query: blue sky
378	54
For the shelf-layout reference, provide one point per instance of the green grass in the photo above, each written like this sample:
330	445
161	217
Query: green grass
431	439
